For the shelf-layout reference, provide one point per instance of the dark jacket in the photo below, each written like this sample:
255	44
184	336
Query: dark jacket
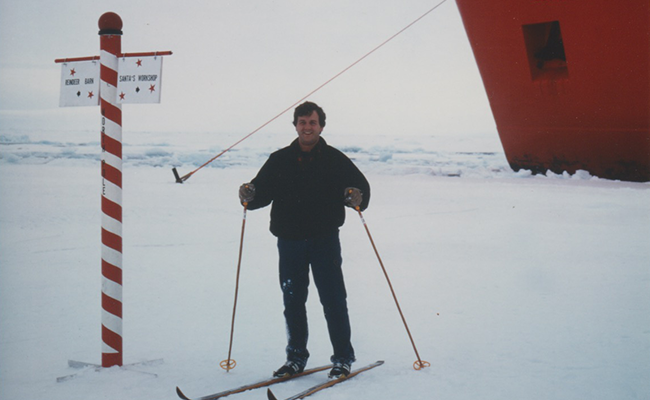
307	190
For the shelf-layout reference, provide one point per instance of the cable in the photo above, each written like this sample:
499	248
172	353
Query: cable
181	179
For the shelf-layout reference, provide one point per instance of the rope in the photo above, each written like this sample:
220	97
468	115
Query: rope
187	176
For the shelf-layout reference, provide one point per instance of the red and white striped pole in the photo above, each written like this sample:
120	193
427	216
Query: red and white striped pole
110	31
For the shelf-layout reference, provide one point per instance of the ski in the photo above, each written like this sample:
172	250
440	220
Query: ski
325	385
260	384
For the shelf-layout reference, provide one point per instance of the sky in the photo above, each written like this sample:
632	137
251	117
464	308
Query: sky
238	64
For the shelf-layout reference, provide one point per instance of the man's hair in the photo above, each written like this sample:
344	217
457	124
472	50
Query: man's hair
306	109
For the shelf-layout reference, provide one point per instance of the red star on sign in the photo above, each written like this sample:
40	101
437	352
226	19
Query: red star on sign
72	72
90	95
122	96
139	62
152	88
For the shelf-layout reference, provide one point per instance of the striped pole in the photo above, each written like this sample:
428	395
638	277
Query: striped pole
110	31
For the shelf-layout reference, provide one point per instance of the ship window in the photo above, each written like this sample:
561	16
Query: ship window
545	49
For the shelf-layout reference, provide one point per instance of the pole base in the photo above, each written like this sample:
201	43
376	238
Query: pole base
88	366
178	178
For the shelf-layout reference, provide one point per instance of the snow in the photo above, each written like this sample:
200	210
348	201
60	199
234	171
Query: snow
515	286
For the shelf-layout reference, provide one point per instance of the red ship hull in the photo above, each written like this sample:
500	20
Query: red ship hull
568	82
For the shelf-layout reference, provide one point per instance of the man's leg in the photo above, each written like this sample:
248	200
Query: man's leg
294	281
326	266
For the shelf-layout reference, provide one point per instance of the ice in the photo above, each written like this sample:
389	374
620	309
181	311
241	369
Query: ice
514	285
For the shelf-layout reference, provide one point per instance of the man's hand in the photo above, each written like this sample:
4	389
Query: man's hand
246	193
353	197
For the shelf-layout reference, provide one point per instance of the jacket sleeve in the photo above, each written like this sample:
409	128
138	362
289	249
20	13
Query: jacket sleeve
264	186
364	186
355	178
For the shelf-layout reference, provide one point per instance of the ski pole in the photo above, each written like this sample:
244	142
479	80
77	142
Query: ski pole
418	364
229	363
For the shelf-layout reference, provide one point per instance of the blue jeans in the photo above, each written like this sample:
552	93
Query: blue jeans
324	256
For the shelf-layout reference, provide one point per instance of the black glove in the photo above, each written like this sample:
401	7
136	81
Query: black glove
246	193
353	197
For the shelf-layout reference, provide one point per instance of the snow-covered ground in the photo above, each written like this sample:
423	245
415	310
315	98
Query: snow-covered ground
514	286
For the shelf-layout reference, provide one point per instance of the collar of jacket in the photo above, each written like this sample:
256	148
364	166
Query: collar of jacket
295	147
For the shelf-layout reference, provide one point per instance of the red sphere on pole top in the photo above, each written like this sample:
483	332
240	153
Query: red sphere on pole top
110	24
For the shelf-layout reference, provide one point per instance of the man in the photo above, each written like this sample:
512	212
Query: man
309	183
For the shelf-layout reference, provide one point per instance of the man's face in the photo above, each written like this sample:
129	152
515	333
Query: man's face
309	131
